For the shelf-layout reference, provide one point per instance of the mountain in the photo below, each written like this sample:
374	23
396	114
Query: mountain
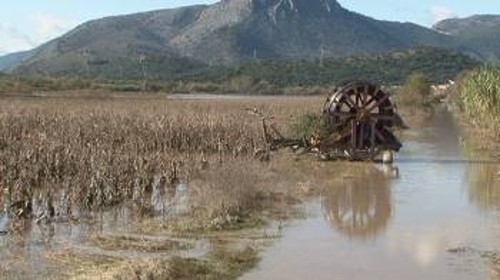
480	34
13	59
165	43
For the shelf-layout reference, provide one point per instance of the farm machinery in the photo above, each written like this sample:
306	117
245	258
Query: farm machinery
357	123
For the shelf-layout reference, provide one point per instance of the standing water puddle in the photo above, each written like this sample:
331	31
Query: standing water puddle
107	234
416	226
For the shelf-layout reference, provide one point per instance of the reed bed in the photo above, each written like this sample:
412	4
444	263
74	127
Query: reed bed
478	95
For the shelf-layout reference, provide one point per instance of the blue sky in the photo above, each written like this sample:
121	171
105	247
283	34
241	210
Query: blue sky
24	24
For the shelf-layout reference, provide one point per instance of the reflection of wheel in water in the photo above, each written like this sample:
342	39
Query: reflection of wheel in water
359	207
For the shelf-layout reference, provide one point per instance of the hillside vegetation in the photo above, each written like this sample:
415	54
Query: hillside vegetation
390	69
262	76
478	33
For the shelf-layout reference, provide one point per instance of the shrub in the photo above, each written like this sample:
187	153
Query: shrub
309	125
416	90
480	93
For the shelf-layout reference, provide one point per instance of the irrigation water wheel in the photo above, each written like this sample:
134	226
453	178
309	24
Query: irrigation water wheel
360	120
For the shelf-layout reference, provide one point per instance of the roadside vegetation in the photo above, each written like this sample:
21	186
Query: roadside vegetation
477	94
480	94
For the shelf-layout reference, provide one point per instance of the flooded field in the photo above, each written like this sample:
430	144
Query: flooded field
434	214
204	208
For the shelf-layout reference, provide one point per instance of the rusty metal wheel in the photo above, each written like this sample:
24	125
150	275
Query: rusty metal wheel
361	117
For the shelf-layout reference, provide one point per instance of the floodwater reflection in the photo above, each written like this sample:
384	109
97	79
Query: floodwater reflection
418	226
59	225
359	207
484	185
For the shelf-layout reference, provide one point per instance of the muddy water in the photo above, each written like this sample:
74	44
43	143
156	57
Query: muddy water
38	248
426	217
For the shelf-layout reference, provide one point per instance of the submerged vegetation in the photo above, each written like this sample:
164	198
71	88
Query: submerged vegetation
59	157
184	168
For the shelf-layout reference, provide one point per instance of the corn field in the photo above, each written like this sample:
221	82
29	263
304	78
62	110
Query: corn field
59	155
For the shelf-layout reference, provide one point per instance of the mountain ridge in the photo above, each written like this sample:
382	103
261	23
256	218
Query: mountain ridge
481	33
227	32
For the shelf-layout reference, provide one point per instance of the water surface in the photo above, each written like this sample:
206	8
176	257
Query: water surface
407	221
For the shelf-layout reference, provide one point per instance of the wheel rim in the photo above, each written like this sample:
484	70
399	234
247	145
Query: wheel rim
362	115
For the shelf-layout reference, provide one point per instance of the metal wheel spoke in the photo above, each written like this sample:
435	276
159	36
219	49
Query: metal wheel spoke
365	95
378	103
361	134
345	134
358	97
348	100
379	135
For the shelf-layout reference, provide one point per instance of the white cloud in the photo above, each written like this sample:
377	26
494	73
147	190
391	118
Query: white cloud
440	13
12	39
37	30
48	26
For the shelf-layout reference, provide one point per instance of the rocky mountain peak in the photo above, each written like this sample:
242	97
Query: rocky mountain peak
316	7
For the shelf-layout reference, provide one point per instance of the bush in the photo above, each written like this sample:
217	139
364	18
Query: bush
416	90
309	125
480	93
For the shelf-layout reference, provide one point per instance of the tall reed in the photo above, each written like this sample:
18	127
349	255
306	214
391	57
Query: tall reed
480	95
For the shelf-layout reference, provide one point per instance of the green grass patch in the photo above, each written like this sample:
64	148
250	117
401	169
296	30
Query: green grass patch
480	93
309	125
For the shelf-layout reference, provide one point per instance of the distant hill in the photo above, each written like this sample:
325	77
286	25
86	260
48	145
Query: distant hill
392	68
171	42
13	59
270	76
226	32
480	34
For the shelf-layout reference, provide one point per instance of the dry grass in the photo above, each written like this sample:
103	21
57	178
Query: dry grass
477	95
61	156
137	244
66	153
220	263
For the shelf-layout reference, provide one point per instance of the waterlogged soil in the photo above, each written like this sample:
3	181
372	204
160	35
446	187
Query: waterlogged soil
433	214
92	244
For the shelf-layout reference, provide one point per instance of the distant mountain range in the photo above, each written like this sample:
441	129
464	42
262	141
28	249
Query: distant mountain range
478	36
13	59
167	42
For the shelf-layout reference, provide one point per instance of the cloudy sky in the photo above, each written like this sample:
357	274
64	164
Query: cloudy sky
25	24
